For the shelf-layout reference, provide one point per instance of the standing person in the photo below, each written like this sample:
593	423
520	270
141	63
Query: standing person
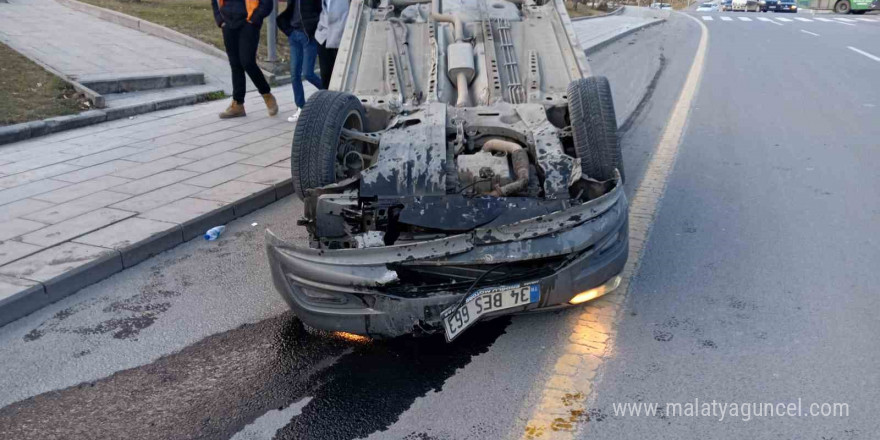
241	21
334	13
299	22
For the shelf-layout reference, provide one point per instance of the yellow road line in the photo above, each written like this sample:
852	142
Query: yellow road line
563	411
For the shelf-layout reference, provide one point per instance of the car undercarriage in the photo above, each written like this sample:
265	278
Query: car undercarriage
464	164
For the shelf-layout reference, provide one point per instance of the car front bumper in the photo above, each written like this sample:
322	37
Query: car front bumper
359	291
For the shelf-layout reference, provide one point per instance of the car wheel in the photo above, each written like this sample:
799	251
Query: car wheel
316	157
594	127
842	7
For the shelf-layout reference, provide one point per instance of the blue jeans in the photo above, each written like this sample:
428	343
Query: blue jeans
303	51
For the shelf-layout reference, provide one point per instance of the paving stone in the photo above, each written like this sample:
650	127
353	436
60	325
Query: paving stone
105	156
157	198
77	190
267	176
151	168
216	136
135	238
88	145
231	191
74	227
245	197
13	250
214	162
18	226
22	207
73	208
29	190
261	124
19	297
195	215
65	268
263	133
263	146
268	158
37	174
103	169
210	150
162	141
221	175
283	164
159	153
155	181
37	162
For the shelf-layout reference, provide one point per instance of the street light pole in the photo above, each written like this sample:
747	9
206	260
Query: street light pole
272	33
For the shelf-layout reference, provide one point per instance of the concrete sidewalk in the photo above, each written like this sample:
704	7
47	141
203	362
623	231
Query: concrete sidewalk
80	205
78	45
595	33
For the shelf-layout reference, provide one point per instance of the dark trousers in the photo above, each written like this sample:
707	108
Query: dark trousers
326	59
241	48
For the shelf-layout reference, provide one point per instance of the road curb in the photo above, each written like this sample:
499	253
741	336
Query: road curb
21	296
617	11
32	129
594	48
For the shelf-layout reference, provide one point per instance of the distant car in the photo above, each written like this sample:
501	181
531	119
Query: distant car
727	5
660	6
707	7
786	6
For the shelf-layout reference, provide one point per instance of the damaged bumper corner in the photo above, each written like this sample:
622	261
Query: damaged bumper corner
385	291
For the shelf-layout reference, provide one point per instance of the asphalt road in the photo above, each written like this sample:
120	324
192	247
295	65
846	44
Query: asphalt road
759	280
756	286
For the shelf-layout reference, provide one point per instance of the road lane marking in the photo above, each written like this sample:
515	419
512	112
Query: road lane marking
726	18
745	18
873	57
787	20
833	21
764	19
562	411
707	18
807	20
770	21
870	20
845	19
808	32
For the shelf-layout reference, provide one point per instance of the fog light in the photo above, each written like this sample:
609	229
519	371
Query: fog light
596	292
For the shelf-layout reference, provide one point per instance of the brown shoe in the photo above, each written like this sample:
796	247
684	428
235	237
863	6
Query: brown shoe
271	104
235	110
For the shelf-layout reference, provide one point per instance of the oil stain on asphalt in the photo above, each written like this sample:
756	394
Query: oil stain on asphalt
221	384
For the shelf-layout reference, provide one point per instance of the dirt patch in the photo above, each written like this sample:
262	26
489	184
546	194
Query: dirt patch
29	93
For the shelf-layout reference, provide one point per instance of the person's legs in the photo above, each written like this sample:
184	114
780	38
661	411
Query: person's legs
296	40
326	59
310	51
230	40
247	51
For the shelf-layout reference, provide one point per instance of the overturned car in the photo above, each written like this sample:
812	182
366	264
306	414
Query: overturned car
464	164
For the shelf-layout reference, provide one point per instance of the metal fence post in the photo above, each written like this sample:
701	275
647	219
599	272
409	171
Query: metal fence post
272	33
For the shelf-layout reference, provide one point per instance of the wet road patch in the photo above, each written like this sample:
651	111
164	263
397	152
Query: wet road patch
221	384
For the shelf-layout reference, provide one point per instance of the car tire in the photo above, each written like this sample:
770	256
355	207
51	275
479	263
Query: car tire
316	138
842	7
594	127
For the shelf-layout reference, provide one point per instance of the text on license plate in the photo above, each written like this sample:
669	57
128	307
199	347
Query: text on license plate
487	300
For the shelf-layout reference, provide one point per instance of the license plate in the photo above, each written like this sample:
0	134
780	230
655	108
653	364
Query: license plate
459	317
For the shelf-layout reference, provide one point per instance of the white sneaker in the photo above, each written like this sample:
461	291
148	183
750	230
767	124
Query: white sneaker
294	117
